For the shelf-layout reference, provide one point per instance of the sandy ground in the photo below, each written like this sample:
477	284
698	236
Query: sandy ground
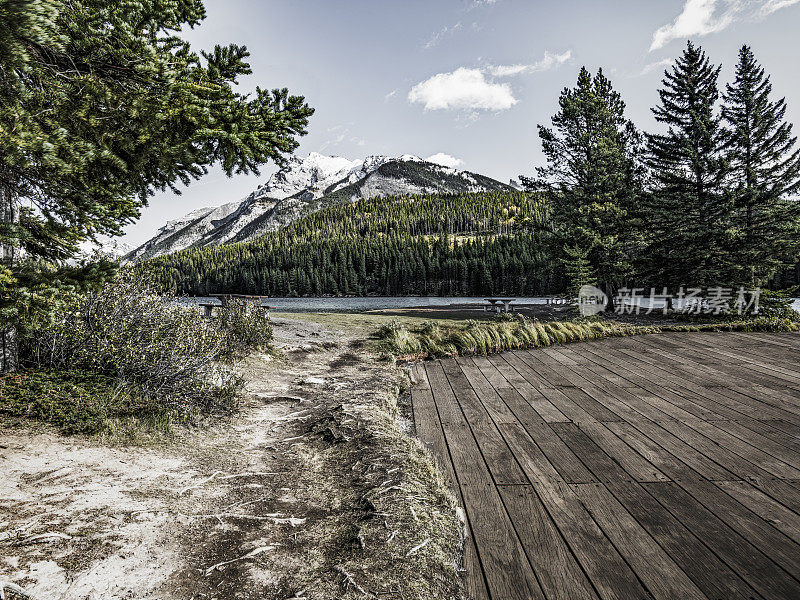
249	508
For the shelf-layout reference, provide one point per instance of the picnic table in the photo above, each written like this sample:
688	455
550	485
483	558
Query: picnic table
226	298
498	304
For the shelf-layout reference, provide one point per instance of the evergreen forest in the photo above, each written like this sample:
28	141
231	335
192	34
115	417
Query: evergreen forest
708	199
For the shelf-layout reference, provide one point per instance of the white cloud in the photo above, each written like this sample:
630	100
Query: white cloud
548	61
697	18
702	17
656	65
445	31
342	134
390	95
771	6
463	89
470	89
440	158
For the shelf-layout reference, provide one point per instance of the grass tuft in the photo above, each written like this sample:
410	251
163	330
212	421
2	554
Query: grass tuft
432	340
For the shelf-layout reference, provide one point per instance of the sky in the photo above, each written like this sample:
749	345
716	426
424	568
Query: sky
467	81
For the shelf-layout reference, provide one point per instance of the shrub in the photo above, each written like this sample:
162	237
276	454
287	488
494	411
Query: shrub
75	402
776	304
167	354
242	327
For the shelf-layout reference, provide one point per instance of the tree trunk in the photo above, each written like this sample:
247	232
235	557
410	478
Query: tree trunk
9	253
609	290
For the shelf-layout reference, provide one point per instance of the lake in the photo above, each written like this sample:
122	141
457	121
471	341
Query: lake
362	304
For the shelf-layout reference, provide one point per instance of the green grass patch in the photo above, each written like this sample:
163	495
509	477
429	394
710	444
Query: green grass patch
72	401
86	403
434	340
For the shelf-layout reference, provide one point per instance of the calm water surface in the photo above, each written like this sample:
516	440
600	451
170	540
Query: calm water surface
377	302
363	304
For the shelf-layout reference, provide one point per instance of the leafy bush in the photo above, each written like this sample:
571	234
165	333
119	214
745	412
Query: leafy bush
74	401
242	327
776	304
167	354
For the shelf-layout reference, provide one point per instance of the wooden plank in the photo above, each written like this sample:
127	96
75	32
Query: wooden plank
527	390
784	373
468	376
657	455
607	570
761	573
698	376
739	376
684	376
571	402
685	452
646	405
728	459
625	367
429	429
531	359
498	457
754	529
598	462
786	451
632	414
775	513
766	461
631	461
704	568
785	492
793	429
507	572
763	434
568	465
660	574
562	458
559	574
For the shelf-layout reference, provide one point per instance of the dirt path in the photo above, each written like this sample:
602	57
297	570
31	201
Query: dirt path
311	491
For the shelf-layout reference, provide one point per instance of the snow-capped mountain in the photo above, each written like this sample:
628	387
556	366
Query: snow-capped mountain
105	246
305	185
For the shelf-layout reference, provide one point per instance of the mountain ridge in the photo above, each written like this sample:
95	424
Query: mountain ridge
304	185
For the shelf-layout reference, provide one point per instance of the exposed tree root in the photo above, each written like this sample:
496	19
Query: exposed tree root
16	592
352	582
250	554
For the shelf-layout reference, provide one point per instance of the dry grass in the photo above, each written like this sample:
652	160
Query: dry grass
435	340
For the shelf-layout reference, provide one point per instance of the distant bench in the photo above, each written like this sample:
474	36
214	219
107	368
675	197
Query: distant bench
498	304
225	299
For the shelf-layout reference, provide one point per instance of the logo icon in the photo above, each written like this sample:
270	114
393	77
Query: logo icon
591	300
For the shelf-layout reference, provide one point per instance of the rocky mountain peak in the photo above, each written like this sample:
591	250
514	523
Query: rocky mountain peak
304	184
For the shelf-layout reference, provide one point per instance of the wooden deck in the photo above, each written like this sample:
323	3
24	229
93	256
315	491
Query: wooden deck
662	467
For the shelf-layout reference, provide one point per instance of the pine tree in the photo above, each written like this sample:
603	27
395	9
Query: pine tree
765	173
101	104
577	270
688	211
593	176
